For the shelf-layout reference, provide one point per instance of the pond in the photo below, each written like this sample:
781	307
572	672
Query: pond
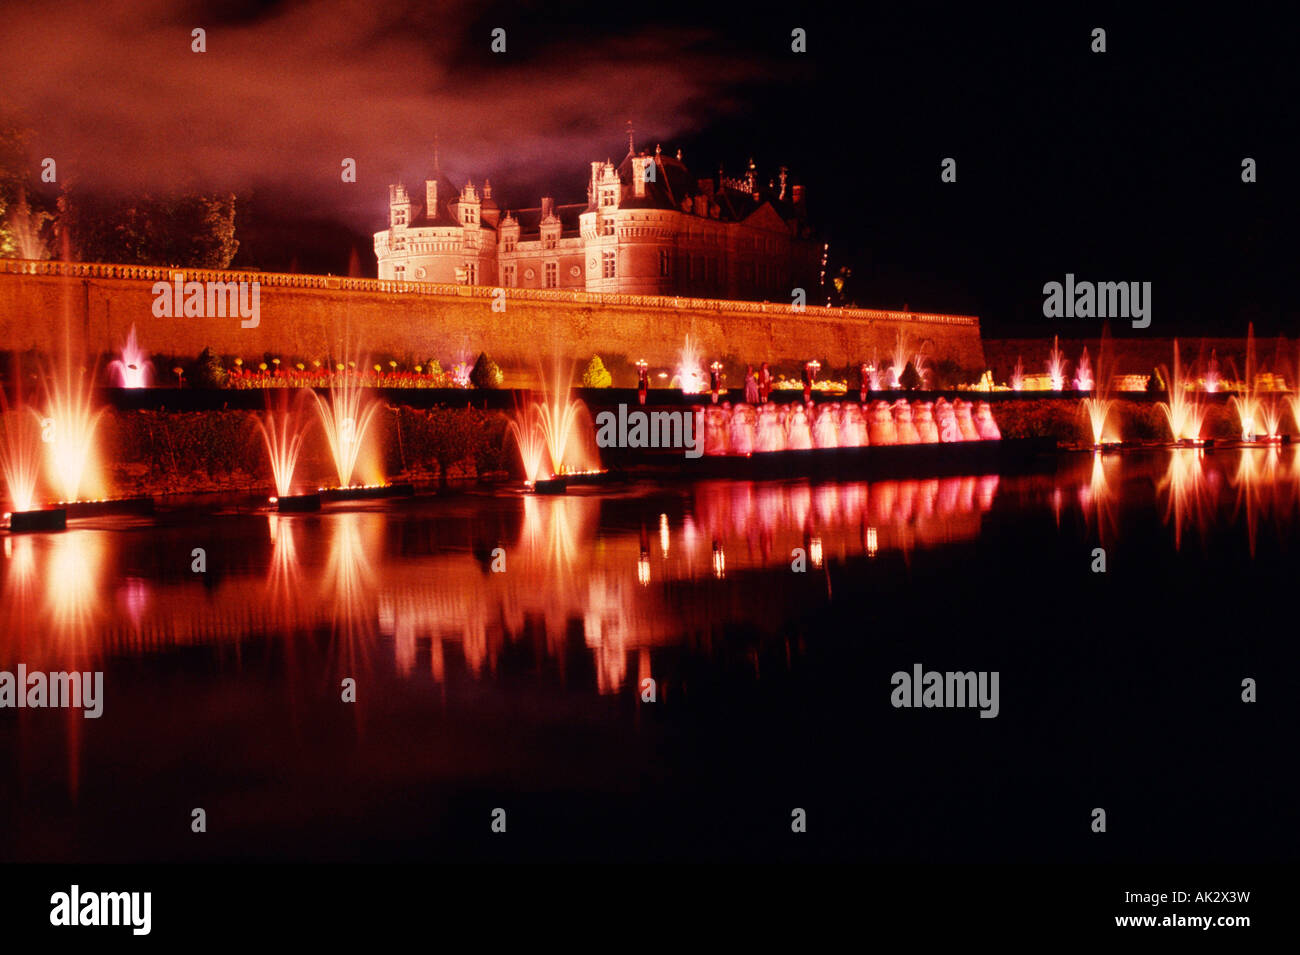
672	670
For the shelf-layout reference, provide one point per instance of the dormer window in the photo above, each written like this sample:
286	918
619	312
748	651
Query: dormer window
470	215
608	198
548	241
509	243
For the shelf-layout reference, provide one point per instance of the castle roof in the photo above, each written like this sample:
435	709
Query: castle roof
530	220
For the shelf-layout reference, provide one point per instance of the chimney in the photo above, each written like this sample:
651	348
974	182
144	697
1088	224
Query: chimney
431	198
548	207
781	195
639	166
487	189
796	194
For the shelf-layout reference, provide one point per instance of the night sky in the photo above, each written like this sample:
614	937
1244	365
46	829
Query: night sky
1122	166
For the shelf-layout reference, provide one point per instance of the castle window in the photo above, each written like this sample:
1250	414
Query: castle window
510	243
548	242
607	262
607	200
606	226
471	273
665	263
469	214
552	274
510	279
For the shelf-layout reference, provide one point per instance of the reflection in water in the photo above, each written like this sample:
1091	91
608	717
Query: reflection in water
1190	490
1257	481
1097	498
413	591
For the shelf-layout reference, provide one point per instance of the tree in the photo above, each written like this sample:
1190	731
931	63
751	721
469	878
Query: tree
910	379
485	373
23	216
193	231
596	376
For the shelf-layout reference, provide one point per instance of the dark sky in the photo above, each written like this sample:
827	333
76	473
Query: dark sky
1122	166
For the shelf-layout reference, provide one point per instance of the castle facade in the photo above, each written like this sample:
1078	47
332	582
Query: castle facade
649	226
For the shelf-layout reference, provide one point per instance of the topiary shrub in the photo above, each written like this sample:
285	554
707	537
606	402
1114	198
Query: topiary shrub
596	376
485	373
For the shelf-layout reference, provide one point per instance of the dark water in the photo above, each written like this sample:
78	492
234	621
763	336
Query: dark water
521	690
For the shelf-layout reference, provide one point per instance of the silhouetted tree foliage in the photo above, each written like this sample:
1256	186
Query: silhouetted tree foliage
191	231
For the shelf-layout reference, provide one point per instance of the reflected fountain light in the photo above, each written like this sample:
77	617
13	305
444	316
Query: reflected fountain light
74	594
348	589
133	369
663	534
1190	494
1096	498
133	595
1256	482
284	591
719	560
873	541
815	552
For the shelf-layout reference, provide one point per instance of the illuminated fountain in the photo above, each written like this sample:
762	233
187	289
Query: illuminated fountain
690	372
1293	399
1255	409
899	359
1183	410
20	455
526	428
132	370
283	432
1212	376
555	438
346	418
1056	365
1097	407
1018	376
1083	380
